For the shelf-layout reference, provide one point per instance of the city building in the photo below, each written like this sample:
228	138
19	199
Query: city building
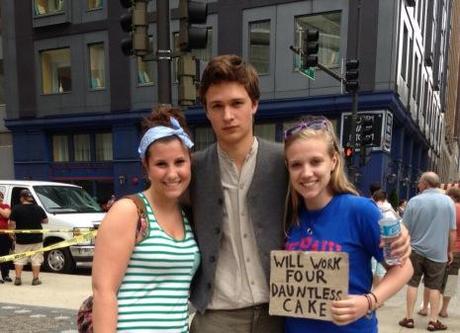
450	155
74	102
6	147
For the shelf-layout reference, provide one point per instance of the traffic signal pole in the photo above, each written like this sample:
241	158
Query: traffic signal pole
163	54
354	119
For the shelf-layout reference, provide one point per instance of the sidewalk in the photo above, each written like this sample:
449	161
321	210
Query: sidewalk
57	290
395	308
68	291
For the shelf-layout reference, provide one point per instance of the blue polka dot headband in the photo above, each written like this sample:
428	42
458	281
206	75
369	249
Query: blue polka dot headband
159	132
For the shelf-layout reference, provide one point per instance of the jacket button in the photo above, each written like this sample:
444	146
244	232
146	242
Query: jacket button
220	201
212	259
217	230
209	285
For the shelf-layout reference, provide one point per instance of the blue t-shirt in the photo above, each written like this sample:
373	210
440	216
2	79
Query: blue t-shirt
349	224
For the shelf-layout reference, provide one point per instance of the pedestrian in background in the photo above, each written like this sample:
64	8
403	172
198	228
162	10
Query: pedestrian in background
402	207
238	221
110	202
430	219
5	239
380	198
320	193
144	286
451	278
28	216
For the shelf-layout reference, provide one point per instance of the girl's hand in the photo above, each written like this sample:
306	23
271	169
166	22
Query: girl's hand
400	247
349	310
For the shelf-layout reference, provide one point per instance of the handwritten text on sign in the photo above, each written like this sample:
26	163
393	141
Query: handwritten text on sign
302	284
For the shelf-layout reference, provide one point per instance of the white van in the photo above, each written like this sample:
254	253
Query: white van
67	206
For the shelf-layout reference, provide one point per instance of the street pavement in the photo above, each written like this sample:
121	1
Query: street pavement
395	309
51	306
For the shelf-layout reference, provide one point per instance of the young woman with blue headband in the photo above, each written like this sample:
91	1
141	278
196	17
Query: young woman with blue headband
144	286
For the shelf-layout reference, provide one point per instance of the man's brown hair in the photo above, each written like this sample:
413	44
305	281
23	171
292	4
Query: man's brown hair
230	68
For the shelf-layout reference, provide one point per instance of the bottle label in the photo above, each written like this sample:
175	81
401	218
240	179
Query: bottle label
390	230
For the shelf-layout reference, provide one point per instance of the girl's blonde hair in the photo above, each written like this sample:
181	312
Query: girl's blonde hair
323	129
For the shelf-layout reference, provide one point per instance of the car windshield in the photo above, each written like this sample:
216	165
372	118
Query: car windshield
66	199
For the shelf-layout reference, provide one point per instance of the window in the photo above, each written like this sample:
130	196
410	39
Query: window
404	54
47	7
204	136
420	81
259	46
416	76
201	54
82	147
425	99
56	71
328	25
104	150
266	131
97	66
94	4
409	76
144	71
2	83
60	148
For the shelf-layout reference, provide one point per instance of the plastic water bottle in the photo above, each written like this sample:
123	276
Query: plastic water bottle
390	228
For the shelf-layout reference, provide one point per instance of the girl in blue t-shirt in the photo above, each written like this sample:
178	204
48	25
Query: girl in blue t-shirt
332	217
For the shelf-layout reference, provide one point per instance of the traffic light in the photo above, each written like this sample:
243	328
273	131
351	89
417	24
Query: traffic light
348	152
310	48
135	22
352	75
190	36
186	72
366	139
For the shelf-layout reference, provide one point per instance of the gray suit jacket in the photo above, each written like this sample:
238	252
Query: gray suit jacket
266	197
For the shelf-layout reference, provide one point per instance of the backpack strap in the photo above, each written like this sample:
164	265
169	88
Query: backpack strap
142	228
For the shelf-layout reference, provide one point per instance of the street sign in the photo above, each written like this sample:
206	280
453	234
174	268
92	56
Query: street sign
382	125
308	72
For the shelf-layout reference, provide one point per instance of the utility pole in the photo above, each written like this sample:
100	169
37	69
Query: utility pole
354	96
163	53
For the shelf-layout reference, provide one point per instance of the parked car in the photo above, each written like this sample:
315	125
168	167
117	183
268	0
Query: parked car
67	207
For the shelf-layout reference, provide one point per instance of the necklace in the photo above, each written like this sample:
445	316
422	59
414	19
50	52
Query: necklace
310	219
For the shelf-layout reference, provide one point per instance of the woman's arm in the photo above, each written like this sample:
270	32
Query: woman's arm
114	244
395	278
355	306
5	212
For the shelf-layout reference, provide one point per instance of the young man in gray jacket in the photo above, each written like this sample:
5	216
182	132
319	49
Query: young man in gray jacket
238	191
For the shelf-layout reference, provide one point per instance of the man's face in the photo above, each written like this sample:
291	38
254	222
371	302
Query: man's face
230	111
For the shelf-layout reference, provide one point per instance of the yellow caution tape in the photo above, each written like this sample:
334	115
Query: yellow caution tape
44	231
73	241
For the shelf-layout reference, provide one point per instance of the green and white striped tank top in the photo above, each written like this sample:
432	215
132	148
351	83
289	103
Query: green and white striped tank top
153	296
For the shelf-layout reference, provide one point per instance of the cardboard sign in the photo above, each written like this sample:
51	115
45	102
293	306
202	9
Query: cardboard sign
303	284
